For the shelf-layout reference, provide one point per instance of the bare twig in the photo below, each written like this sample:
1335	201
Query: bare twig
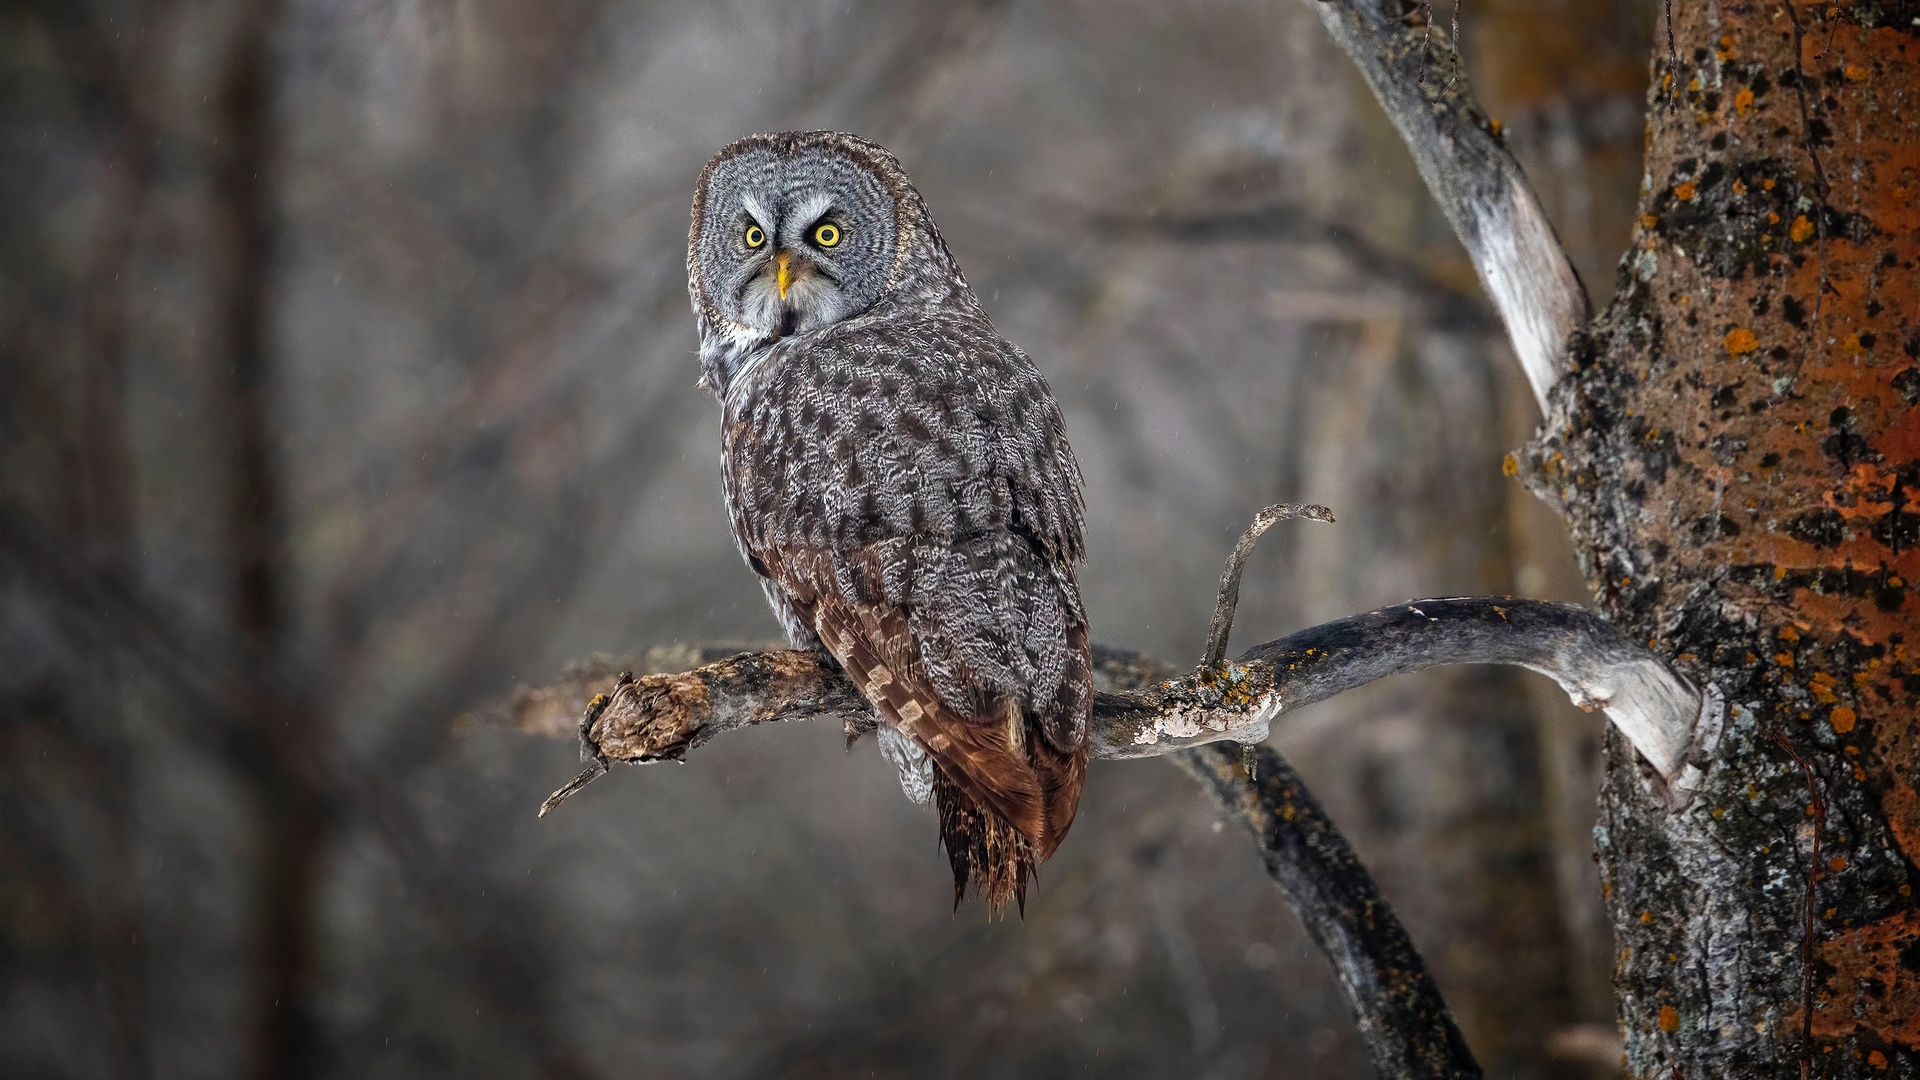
1426	42
1229	599
596	761
1477	183
1459	54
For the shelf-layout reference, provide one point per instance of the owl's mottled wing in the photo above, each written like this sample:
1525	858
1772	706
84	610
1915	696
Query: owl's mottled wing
907	489
874	641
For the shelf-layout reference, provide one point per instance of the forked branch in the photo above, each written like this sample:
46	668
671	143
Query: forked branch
1143	709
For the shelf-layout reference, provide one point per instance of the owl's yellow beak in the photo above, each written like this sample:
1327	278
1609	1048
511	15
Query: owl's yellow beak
783	275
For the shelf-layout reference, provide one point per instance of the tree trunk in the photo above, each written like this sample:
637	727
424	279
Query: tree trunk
1733	451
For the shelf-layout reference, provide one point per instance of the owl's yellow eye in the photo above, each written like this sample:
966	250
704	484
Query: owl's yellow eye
826	235
755	237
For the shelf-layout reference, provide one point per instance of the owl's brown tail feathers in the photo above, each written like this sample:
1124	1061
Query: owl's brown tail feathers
985	849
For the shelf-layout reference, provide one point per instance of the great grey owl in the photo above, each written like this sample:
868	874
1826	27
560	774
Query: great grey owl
897	474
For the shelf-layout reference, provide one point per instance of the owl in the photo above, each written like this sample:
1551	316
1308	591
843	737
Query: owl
897	474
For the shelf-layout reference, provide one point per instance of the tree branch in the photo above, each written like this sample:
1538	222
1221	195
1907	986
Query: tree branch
1395	1004
661	717
1142	708
1477	183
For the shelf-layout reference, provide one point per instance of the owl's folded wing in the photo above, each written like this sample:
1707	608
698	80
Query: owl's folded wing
872	639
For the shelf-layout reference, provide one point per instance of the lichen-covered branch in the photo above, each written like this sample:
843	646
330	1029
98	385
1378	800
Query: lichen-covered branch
662	716
1475	180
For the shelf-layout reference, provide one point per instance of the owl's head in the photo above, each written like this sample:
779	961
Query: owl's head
797	231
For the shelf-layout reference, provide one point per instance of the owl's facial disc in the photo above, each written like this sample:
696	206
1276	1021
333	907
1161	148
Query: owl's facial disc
793	242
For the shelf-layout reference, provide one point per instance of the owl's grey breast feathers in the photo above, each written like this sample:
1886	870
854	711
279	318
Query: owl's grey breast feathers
907	485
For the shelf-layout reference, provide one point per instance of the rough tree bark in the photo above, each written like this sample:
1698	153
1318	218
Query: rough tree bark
1734	451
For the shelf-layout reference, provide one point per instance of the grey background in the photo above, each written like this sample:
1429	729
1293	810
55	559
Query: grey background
490	458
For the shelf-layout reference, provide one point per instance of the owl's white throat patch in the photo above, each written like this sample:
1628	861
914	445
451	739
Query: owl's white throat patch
813	299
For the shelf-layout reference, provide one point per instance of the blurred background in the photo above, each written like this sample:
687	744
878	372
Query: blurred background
346	382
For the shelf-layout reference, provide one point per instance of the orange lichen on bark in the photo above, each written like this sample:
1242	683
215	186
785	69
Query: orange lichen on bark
1872	978
1902	806
1857	365
1771	342
1821	686
1839	401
